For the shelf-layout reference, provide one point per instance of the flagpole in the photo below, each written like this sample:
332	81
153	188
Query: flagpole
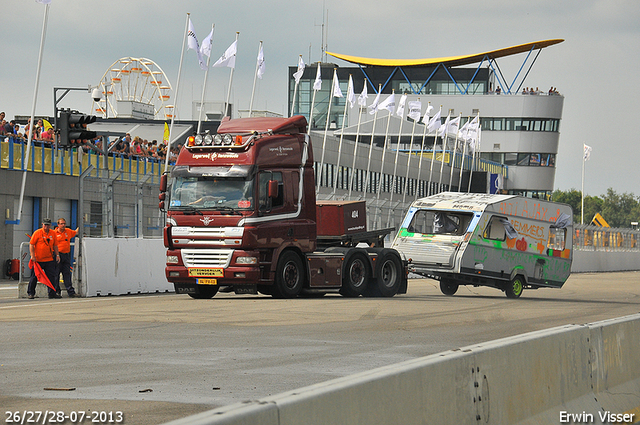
344	118
295	92
32	125
433	151
475	159
455	152
464	152
444	142
395	165
175	108
582	190
373	132
226	104
313	101
326	129
384	151
255	78
204	85
355	146
406	177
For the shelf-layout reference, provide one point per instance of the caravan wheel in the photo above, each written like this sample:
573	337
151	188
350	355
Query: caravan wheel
514	288
448	287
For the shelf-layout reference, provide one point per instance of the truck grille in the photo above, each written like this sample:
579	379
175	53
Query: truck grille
206	257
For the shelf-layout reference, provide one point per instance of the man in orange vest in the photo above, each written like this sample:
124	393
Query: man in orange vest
64	236
43	248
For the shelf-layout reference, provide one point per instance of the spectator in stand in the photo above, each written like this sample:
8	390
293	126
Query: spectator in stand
3	123
498	90
138	148
47	136
122	145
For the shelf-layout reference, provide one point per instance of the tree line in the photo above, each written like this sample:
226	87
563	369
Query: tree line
619	210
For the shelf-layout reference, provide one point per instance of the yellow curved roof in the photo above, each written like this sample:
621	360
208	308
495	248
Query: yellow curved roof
451	60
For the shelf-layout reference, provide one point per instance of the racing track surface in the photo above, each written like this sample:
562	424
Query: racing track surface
166	356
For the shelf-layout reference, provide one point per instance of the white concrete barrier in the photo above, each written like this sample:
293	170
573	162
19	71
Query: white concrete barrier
120	266
569	374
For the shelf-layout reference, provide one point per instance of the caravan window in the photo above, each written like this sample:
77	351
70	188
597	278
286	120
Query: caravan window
439	222
556	238
499	229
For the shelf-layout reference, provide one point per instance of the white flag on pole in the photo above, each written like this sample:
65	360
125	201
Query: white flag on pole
260	71
453	126
376	104
363	96
351	96
192	43
425	119
415	110
401	106
336	92
434	123
389	103
443	128
587	152
228	58
317	84
472	129
205	48
298	74
463	132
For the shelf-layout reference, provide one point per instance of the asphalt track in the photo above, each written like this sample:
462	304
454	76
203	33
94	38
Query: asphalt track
165	356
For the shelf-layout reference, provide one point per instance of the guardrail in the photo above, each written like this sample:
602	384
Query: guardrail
46	159
569	374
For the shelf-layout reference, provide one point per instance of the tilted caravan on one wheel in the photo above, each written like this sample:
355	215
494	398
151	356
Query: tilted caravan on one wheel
504	241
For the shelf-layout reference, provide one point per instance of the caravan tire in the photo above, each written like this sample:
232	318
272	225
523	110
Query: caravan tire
514	288
448	287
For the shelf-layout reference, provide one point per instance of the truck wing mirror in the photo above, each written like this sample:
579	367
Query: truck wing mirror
163	183
273	189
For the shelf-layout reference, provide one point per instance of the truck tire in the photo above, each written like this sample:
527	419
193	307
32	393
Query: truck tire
356	275
448	287
388	275
290	276
514	288
205	293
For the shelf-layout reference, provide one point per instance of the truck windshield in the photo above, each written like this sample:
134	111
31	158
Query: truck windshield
211	193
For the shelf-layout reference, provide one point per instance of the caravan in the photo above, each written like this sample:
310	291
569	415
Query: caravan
503	241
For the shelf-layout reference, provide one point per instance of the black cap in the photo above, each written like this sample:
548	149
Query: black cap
46	221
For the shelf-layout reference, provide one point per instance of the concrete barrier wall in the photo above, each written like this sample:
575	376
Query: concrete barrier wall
538	378
119	266
605	261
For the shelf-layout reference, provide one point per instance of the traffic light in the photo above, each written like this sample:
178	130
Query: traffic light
73	128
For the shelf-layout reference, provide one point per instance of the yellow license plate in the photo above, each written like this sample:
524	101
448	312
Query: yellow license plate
205	272
207	281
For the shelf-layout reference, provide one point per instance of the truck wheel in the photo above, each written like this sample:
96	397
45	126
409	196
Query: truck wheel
205	293
356	275
289	276
388	276
514	288
448	286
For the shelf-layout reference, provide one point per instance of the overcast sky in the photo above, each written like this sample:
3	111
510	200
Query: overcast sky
596	68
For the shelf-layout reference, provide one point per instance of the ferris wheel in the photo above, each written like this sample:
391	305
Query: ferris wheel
135	81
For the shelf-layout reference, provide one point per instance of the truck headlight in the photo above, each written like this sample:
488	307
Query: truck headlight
172	259
246	260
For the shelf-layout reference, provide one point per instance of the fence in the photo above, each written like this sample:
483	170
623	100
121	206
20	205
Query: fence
594	238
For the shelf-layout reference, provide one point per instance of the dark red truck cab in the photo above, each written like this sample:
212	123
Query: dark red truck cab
242	215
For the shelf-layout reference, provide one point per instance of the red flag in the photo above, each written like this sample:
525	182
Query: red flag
40	274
